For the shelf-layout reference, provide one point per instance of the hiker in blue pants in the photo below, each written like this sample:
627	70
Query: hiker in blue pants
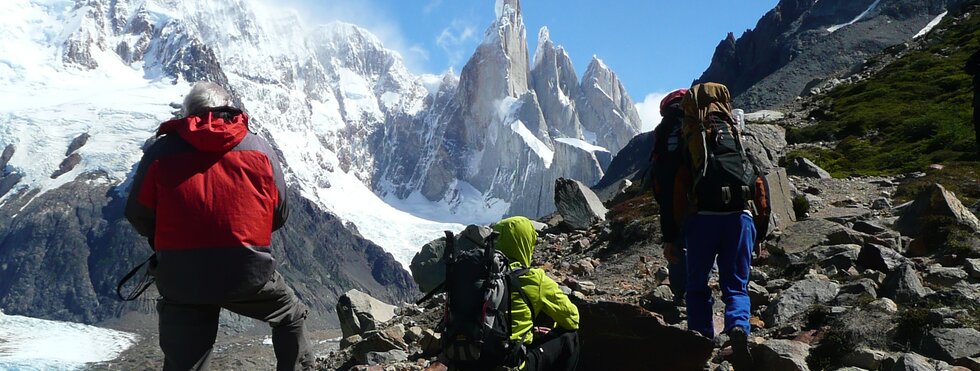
719	190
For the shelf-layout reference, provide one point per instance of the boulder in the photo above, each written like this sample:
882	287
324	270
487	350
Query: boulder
972	266
8	153
804	235
758	295
869	227
802	166
620	336
951	344
799	297
912	362
935	201
903	285
382	358
578	205
428	266
868	359
862	289
945	276
880	258
783	355
360	313
431	342
780	199
374	342
885	305
840	256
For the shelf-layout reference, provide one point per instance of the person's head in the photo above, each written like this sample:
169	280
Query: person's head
517	239
672	101
204	97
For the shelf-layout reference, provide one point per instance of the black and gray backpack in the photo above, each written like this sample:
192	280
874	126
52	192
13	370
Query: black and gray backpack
477	322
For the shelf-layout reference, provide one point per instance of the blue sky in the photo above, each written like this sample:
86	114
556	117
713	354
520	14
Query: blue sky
653	45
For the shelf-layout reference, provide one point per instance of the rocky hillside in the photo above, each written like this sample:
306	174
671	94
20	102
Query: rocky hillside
867	272
803	43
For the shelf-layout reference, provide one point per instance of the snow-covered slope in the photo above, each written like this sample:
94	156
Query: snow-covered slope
35	344
313	92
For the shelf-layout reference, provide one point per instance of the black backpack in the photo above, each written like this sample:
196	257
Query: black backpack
727	181
477	325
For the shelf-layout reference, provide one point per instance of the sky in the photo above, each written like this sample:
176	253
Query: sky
654	46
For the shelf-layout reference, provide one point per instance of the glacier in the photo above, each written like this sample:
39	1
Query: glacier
27	343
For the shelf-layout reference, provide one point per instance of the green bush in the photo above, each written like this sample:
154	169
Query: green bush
915	112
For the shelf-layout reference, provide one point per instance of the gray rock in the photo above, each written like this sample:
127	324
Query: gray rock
780	200
539	226
382	358
869	227
972	266
350	340
885	305
951	344
758	295
360	313
841	257
912	362
903	285
578	205
804	235
8	153
862	289
783	355
880	258
865	358
943	276
799	297
881	203
374	342
67	165
802	166
935	201
77	143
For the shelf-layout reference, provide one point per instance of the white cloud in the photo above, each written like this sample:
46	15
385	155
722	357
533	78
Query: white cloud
431	6
649	110
454	38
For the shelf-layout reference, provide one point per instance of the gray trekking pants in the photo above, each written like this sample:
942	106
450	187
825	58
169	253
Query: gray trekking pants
188	331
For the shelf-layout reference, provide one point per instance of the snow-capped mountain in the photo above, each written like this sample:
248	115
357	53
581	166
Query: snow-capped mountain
370	151
802	44
505	129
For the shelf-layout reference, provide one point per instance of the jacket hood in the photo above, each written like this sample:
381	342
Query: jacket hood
517	239
214	131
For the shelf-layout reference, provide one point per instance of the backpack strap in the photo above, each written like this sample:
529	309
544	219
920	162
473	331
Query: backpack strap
144	284
515	283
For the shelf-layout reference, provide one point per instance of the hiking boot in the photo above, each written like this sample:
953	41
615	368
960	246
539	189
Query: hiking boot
741	357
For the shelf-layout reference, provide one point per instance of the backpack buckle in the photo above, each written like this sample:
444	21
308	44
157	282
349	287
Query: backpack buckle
726	195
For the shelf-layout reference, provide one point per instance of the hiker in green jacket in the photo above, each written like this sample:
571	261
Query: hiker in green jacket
553	348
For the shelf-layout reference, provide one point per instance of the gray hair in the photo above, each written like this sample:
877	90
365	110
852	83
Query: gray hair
205	96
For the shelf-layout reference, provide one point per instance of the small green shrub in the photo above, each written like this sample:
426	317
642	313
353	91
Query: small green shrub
801	207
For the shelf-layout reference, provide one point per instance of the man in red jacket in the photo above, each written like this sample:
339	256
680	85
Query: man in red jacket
207	195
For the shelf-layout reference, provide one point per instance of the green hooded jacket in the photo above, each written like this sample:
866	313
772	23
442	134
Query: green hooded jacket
517	239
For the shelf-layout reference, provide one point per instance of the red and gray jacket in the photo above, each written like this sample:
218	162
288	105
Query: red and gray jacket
208	194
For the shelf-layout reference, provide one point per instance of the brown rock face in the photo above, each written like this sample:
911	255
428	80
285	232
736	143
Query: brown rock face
618	336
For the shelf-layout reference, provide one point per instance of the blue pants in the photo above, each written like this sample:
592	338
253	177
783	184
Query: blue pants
729	238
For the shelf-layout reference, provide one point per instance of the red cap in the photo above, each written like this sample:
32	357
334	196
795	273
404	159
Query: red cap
670	98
